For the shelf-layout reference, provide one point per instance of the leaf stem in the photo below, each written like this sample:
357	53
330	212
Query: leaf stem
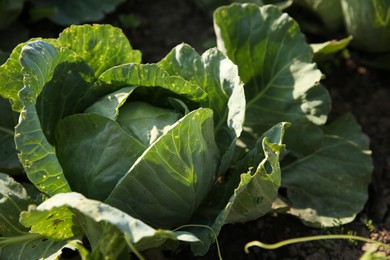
310	238
136	252
204	226
4	241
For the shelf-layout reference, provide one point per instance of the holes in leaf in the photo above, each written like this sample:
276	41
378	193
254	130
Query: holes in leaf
68	253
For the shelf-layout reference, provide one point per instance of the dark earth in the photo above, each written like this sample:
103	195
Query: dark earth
354	87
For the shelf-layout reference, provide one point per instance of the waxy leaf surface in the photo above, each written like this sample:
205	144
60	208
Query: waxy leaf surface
330	185
247	195
95	152
218	76
39	61
108	229
100	46
16	242
173	175
275	63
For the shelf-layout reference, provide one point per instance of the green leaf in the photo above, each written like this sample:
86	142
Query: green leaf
109	105
9	162
39	60
248	194
107	228
254	195
15	241
11	78
33	246
139	119
67	79
11	75
95	152
218	77
326	51
173	175
58	225
147	75
100	46
76	12
13	200
63	93
275	63
369	24
146	122
329	186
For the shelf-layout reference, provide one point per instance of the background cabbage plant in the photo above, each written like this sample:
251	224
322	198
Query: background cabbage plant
60	12
369	24
367	21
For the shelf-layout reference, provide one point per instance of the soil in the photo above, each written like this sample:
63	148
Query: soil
355	88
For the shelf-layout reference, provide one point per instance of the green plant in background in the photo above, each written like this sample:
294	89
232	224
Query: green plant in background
15	29
369	24
76	12
329	12
148	154
60	12
9	11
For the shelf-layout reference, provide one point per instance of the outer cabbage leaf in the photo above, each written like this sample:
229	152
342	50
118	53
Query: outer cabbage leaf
101	46
171	178
275	63
11	78
15	241
248	194
75	11
9	162
70	77
95	152
41	63
330	185
218	76
100	222
369	24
